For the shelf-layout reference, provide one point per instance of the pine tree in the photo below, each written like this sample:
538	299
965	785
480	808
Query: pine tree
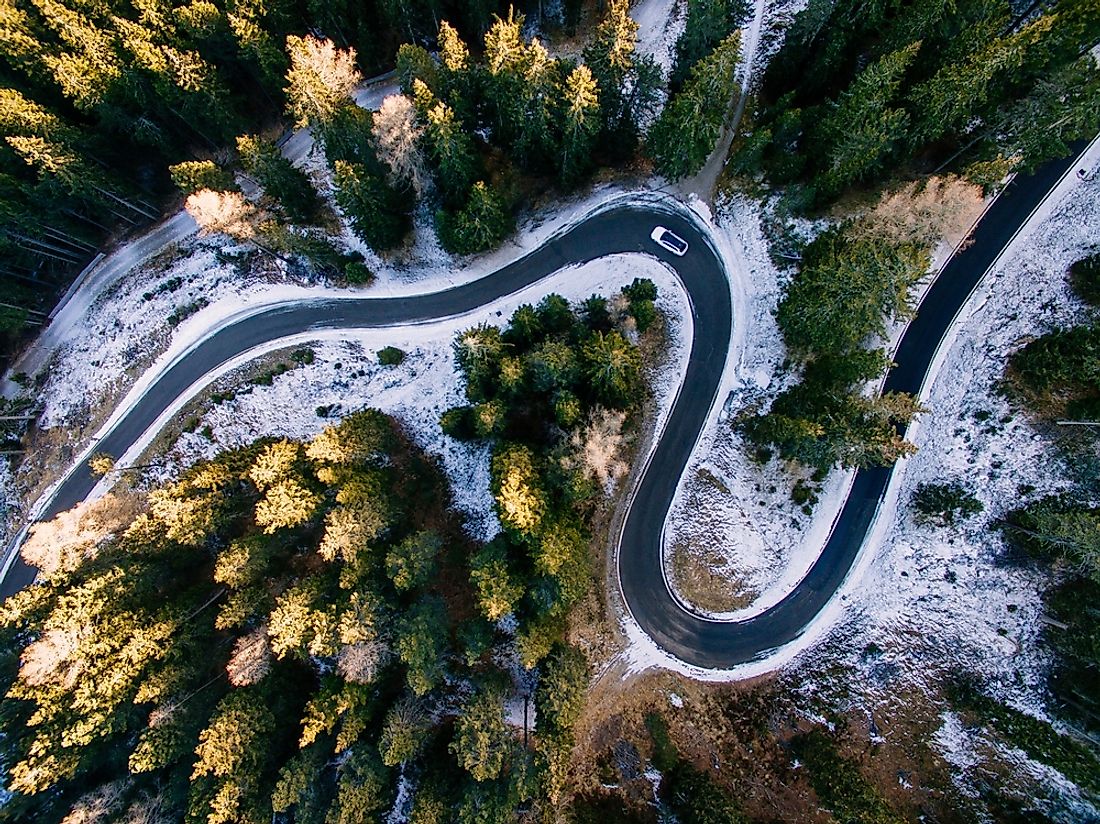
497	590
581	123
378	213
628	82
844	288
420	646
861	131
613	369
684	136
517	489
449	146
708	23
482	742
287	185
479	225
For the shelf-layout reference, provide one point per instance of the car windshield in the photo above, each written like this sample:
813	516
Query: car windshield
672	240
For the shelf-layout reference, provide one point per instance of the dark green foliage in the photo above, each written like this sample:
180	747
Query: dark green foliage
857	90
378	213
458	423
390	356
665	755
482	223
1084	278
1077	644
641	289
1074	759
1059	373
708	23
612	368
559	699
686	132
281	180
1058	527
944	503
536	391
839	785
627	82
695	797
357	273
347	137
847	286
824	420
200	586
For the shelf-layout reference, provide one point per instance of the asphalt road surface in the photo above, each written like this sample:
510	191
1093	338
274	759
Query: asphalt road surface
689	637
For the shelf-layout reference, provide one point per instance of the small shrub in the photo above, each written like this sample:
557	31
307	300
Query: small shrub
358	274
644	313
641	289
803	494
1084	279
303	357
944	504
458	423
390	356
665	756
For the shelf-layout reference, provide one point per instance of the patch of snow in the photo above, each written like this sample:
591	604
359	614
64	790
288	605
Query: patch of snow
403	799
676	700
660	24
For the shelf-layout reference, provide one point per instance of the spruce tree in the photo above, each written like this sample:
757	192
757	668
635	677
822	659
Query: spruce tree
686	133
378	213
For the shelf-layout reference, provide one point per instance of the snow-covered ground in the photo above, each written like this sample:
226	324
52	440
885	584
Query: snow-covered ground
660	23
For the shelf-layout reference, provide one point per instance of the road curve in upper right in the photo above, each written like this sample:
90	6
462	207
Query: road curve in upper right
713	644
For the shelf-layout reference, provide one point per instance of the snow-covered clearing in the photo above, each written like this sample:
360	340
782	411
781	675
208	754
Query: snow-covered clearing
660	24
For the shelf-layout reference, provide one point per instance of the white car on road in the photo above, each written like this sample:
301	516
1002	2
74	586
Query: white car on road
667	240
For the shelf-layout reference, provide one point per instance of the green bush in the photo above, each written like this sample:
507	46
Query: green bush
944	503
458	423
1084	278
359	274
695	798
838	782
1059	371
390	356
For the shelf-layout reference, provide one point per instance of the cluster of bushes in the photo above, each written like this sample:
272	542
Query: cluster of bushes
1054	375
838	782
551	392
856	92
285	630
1058	373
687	792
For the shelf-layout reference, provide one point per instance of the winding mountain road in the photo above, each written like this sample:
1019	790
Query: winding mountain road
623	228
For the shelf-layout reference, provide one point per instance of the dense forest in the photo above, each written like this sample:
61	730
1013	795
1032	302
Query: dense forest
867	91
303	629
